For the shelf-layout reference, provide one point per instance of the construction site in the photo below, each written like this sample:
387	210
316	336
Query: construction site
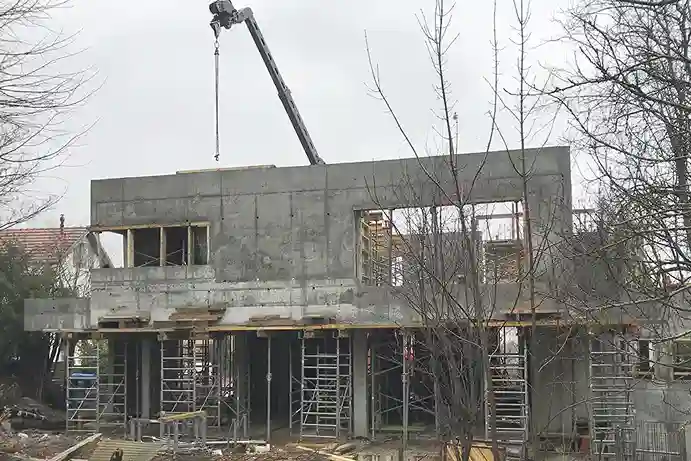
278	304
265	298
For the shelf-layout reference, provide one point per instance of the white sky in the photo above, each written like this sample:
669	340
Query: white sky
154	112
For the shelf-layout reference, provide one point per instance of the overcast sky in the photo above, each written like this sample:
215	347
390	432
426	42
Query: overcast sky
154	112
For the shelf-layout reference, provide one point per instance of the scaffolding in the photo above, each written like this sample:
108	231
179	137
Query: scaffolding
509	385
191	376
611	363
325	398
112	385
81	387
178	392
208	354
95	384
391	405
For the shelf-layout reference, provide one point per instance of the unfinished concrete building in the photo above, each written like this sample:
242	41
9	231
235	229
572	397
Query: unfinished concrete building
271	299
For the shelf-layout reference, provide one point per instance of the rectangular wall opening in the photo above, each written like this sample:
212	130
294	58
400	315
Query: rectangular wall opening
407	245
146	244
644	364
177	246
200	250
115	245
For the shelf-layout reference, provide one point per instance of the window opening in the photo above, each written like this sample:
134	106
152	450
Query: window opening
406	246
645	359
200	250
177	246
682	360
146	247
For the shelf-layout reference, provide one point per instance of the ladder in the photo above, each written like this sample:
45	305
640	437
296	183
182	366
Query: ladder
178	391
326	400
82	386
509	374
112	385
611	363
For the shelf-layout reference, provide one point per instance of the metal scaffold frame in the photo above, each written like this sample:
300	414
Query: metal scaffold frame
326	392
81	388
239	390
509	375
112	386
192	375
207	378
178	392
390	360
95	389
612	358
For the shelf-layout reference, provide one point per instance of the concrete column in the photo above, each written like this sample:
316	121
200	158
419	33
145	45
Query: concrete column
145	376
359	378
664	364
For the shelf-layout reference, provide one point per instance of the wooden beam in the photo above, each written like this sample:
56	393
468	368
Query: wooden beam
147	226
162	247
183	416
62	456
323	453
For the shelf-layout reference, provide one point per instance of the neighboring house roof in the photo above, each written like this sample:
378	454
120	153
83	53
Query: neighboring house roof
45	245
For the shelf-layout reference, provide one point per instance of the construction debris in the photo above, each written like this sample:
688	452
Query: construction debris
27	413
34	445
66	454
130	450
331	456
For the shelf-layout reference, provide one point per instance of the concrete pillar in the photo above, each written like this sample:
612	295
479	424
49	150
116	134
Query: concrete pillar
359	378
664	364
145	377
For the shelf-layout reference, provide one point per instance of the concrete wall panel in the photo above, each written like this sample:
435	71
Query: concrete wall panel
57	313
283	239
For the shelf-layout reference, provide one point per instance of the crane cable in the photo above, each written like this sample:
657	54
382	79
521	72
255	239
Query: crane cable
218	133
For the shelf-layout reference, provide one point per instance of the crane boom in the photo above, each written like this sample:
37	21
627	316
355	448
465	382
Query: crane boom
225	16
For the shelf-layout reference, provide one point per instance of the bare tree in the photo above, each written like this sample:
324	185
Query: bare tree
37	94
628	95
438	267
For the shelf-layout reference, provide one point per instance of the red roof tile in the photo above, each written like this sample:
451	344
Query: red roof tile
45	245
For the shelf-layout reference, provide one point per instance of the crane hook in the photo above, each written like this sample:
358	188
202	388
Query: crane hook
216	65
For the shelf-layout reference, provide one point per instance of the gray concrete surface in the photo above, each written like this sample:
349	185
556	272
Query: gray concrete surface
283	240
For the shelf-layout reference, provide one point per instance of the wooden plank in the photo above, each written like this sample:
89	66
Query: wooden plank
74	448
323	453
183	416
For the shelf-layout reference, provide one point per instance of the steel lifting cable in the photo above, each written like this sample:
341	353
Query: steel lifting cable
218	133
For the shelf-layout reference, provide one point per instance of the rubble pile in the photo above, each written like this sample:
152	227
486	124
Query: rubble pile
27	413
33	445
231	454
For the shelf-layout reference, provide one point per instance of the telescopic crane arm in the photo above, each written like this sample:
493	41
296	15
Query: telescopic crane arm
226	16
